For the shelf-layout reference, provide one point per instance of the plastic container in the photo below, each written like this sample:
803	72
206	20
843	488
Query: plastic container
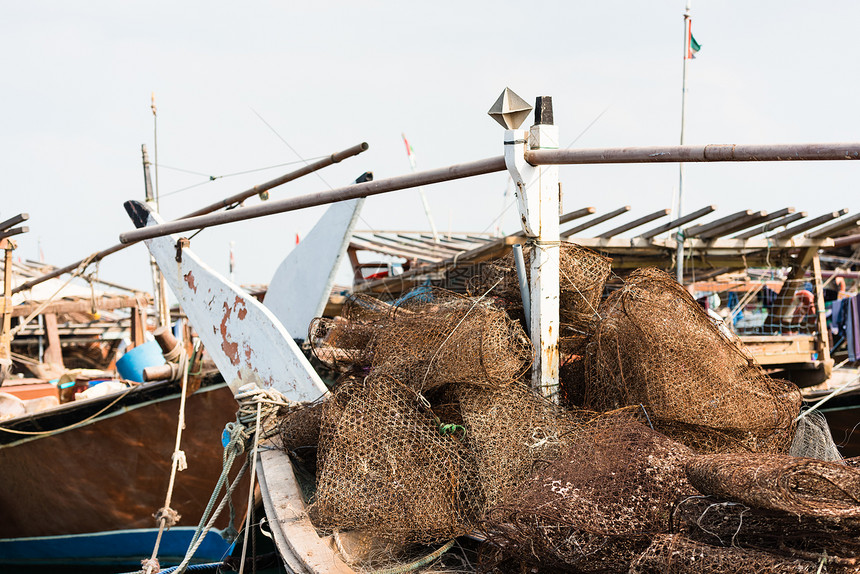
131	365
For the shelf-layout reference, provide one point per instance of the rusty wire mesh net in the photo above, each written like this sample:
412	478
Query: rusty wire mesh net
676	554
429	338
725	523
438	337
596	507
582	275
299	426
802	486
509	429
655	346
385	467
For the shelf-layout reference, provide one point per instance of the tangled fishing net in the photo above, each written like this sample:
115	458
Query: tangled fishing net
300	425
675	554
812	439
384	466
431	434
509	429
582	276
597	506
429	338
655	346
725	523
802	486
346	342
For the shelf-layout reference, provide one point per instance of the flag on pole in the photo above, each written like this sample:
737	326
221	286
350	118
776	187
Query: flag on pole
692	45
409	151
297	238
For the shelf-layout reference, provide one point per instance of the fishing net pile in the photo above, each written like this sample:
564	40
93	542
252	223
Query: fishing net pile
598	505
430	338
655	346
582	276
668	451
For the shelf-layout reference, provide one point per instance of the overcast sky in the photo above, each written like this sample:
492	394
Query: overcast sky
76	82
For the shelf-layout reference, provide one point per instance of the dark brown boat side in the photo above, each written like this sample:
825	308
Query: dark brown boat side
112	474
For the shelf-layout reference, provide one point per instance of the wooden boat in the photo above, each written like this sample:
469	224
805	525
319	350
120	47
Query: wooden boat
86	494
254	346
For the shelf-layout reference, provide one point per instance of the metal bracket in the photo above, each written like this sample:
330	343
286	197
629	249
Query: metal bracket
181	244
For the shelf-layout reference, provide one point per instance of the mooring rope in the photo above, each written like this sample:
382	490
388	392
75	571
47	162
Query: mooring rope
255	418
166	517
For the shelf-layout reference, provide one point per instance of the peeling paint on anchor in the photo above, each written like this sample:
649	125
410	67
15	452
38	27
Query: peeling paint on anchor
231	348
189	280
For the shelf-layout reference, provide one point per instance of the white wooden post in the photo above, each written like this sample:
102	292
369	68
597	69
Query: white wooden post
538	199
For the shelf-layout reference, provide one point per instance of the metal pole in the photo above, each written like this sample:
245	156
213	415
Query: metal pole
520	263
237	198
698	153
679	234
651	154
459	171
158	289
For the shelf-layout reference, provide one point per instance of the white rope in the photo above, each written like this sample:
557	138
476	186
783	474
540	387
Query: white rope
251	487
166	516
256	417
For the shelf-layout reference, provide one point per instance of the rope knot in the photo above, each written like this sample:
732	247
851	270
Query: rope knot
150	566
181	461
168	515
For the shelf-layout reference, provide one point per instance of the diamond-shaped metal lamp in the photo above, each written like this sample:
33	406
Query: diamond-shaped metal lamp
510	110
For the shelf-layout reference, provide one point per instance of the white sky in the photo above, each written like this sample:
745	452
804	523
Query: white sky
76	81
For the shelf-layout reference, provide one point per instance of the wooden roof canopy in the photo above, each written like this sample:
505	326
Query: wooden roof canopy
739	240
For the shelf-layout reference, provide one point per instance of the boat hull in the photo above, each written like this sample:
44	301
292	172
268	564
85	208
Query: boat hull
84	493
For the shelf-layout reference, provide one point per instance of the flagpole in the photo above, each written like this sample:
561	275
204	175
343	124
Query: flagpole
679	255
426	205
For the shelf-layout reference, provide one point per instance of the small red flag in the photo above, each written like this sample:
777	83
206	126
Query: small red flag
297	238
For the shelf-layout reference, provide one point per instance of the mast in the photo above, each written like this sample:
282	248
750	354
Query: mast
679	256
158	289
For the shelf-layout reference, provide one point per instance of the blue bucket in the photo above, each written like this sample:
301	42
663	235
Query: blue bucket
131	365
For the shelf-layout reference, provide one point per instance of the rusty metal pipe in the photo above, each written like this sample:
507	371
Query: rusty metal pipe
418	179
311	167
697	153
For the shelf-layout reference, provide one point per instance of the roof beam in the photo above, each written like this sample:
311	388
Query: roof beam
596	221
771	225
815	222
636	223
678	222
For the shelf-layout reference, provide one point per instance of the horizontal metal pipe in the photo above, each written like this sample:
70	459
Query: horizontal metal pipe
459	171
697	153
310	168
